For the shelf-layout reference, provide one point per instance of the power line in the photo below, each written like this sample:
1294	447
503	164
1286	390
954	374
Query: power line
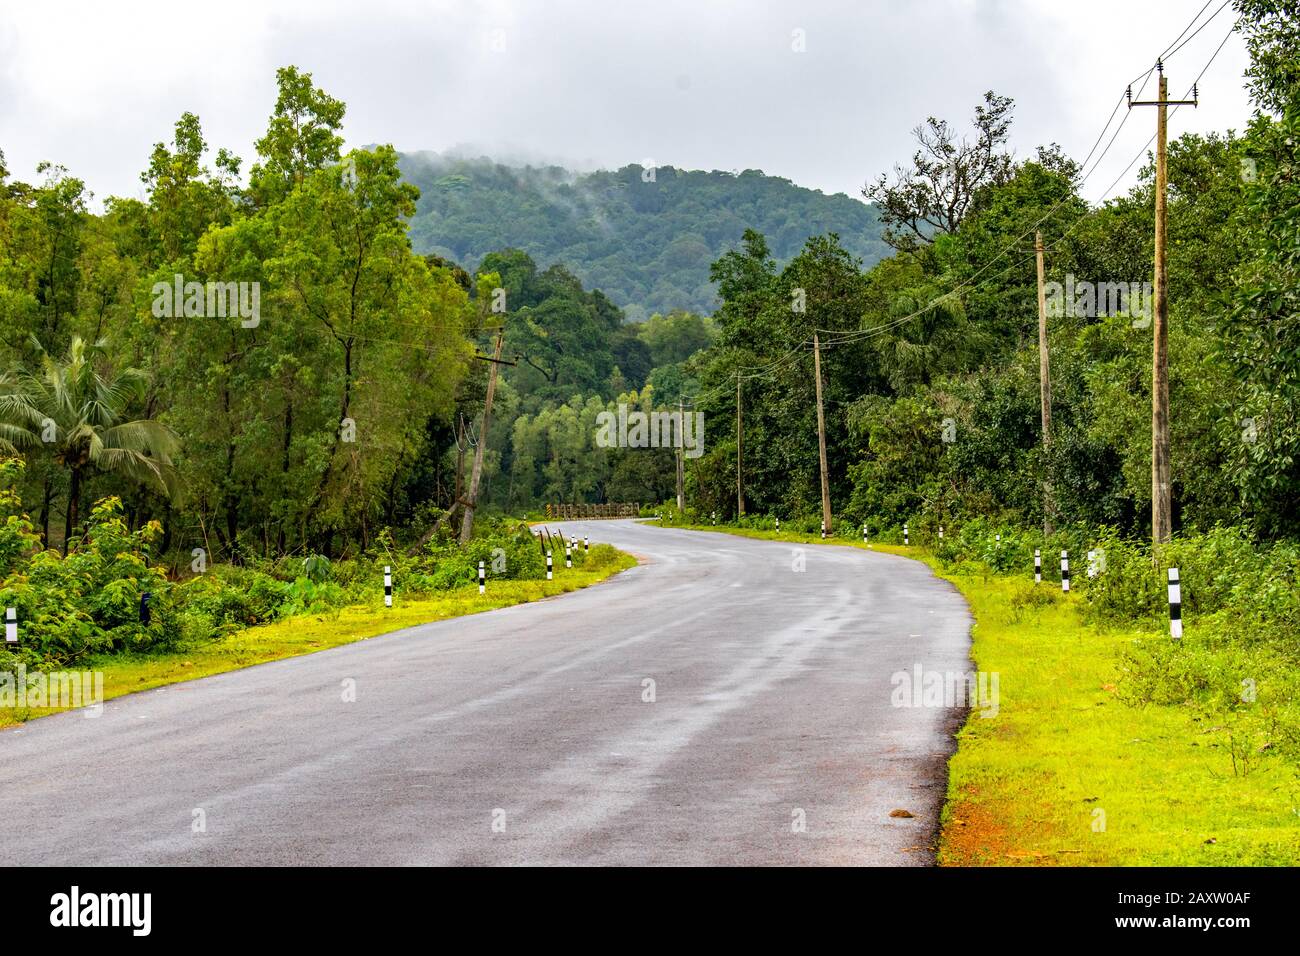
1188	27
1198	29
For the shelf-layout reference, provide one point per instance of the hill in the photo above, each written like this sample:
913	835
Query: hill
645	242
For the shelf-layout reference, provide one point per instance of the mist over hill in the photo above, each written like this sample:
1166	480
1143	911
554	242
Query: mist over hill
644	237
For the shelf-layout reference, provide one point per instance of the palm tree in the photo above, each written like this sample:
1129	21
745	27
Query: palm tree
72	408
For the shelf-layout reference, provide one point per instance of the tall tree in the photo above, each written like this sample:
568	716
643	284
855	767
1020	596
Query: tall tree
948	170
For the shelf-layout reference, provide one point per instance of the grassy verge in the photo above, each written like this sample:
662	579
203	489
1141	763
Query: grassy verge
306	634
1068	774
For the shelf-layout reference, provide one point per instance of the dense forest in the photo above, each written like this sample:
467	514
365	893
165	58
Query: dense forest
643	236
295	412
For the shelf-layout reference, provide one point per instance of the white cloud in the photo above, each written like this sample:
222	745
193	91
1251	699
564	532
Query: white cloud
685	82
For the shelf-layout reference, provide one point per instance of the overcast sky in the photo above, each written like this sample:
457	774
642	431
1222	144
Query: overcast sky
701	84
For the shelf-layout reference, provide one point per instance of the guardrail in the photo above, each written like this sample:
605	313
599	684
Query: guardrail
586	512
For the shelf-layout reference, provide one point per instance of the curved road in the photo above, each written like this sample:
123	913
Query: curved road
525	735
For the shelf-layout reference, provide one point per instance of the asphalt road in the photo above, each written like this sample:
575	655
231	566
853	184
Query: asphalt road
524	736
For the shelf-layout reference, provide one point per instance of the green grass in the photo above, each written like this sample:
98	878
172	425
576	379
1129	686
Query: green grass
1024	787
306	634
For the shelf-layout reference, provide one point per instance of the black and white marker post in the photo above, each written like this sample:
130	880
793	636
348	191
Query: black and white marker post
1038	566
388	586
864	533
778	525
1175	606
482	578
905	540
586	545
568	556
823	530
11	625
1065	570
548	565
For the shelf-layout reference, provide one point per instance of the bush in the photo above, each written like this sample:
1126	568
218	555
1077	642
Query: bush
89	601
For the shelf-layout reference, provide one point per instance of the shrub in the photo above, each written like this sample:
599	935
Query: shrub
89	601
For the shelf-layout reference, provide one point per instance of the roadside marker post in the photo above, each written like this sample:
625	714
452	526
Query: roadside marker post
905	538
568	556
586	545
548	565
1038	566
823	529
715	517
11	625
864	534
778	525
1065	570
1175	606
482	578
388	586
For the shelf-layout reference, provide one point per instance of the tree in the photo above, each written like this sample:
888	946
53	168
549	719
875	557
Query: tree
301	137
1272	32
77	411
1260	332
185	197
947	172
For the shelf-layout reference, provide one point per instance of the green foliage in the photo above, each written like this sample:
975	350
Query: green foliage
89	601
18	538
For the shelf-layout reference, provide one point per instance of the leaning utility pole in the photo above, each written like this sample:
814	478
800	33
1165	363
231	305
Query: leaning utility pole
740	488
471	499
681	465
821	434
1161	508
1044	377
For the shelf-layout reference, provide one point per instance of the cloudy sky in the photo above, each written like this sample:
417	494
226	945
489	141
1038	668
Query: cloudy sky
707	84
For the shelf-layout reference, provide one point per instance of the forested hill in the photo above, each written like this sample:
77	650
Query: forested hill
645	242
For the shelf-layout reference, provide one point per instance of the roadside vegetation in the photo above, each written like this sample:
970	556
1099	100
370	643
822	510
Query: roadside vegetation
88	610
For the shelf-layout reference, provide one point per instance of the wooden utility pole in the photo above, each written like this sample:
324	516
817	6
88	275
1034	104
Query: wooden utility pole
821	434
681	465
1044	373
471	499
1044	377
740	487
1161	505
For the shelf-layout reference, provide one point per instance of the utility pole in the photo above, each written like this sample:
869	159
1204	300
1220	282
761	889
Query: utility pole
471	499
740	487
1161	507
1044	377
681	465
821	434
